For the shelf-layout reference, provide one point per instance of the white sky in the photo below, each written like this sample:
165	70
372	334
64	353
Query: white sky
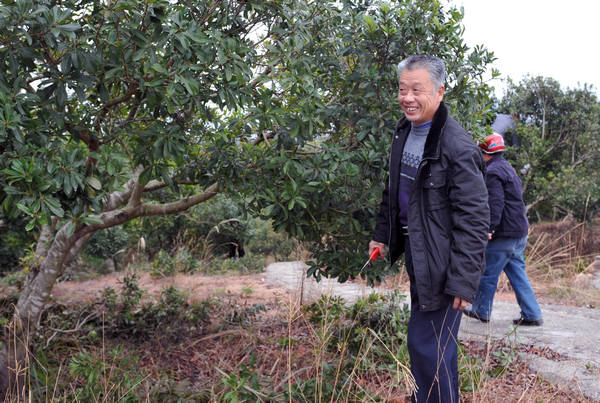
549	38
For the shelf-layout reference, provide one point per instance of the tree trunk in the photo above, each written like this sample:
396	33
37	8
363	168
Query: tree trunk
15	360
53	251
32	301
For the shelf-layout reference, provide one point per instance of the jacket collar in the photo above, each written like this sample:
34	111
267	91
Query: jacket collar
432	144
495	157
432	148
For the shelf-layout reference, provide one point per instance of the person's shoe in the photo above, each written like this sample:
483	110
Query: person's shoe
528	322
473	314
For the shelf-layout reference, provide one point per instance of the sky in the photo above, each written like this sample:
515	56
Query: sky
549	38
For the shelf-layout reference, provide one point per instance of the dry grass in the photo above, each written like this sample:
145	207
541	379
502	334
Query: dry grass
286	350
561	262
286	365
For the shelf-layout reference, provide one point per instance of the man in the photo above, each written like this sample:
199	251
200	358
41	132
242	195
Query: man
434	209
508	238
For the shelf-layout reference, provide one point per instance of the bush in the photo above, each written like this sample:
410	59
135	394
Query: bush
105	243
111	379
184	261
263	240
213	225
14	241
163	265
170	318
244	265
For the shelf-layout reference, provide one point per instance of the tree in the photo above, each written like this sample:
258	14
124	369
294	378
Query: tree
559	142
287	104
334	156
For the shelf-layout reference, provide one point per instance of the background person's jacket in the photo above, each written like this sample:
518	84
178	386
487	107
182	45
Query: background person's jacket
448	215
508	217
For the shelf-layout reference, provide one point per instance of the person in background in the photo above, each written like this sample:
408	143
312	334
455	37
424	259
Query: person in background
507	238
434	209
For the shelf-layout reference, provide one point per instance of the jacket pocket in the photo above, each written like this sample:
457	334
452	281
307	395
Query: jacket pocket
435	195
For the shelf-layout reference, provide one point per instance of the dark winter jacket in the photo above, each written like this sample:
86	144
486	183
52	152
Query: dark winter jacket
508	218
448	215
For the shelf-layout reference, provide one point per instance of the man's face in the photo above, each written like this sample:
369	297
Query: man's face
416	96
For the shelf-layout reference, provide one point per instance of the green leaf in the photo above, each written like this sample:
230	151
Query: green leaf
69	27
24	209
268	211
155	83
70	228
54	206
93	182
61	95
91	219
160	68
31	225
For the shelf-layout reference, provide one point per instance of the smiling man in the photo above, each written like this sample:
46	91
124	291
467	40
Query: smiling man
434	209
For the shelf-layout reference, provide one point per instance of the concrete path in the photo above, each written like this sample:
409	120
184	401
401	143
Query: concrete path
573	333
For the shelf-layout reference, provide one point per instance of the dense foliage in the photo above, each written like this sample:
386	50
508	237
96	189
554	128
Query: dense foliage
287	104
556	147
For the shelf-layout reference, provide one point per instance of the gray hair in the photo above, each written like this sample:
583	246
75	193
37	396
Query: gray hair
433	64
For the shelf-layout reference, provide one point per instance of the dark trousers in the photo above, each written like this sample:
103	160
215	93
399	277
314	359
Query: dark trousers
432	347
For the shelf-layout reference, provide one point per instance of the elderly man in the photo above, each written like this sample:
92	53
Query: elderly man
434	209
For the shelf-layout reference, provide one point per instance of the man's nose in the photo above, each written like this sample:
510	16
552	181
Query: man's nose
409	96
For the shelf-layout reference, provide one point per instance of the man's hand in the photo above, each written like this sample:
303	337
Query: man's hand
460	303
375	244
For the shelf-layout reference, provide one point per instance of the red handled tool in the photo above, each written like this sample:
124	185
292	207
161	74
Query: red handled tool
374	255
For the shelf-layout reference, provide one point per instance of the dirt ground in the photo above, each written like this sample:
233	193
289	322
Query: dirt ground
200	357
253	288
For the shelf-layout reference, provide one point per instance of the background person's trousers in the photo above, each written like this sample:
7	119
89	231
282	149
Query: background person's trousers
506	254
432	347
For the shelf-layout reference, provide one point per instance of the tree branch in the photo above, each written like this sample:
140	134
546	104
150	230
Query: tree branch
118	198
115	101
156	185
136	191
180	205
119	216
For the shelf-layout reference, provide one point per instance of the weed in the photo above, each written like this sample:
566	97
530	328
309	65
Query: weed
184	262
471	371
366	339
170	317
247	290
99	380
163	265
243	386
327	308
243	315
243	265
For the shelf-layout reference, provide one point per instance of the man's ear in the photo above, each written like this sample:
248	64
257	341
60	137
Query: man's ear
440	91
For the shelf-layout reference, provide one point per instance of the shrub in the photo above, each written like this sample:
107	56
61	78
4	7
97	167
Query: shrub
104	244
113	379
184	261
171	317
263	240
244	265
14	241
163	265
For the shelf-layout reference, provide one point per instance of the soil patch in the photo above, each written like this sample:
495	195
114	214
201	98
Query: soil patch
253	288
